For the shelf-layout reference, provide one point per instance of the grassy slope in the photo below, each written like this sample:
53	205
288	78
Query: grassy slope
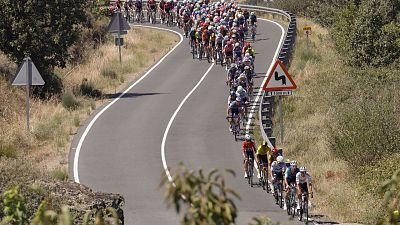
52	125
326	89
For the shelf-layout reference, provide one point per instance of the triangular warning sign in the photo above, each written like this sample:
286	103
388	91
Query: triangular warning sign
28	68
279	79
118	23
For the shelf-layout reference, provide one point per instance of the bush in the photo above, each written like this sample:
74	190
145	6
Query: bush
48	129
87	89
60	174
109	73
7	150
69	101
367	127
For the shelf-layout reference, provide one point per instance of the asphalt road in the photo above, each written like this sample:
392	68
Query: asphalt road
120	153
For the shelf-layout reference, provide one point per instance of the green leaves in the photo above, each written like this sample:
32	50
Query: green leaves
14	209
205	198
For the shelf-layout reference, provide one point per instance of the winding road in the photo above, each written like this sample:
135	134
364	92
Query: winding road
174	113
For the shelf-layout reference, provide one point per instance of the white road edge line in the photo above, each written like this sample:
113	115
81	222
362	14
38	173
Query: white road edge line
172	120
265	78
82	139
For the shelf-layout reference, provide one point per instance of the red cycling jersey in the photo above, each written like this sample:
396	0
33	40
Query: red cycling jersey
248	146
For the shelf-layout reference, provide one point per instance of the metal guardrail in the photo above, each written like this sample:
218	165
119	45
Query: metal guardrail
265	110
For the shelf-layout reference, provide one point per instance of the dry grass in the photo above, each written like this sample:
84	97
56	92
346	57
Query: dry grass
316	68
52	126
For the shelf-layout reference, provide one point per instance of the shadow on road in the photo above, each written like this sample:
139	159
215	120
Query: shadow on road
130	95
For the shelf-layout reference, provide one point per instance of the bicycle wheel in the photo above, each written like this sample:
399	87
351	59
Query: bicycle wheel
193	50
306	211
251	172
266	180
280	195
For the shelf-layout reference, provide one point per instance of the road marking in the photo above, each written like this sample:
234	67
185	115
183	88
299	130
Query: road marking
164	162
252	110
82	139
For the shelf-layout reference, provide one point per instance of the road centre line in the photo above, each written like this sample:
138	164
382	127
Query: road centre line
82	138
164	162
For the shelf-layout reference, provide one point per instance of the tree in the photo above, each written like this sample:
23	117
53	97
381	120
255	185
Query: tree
43	30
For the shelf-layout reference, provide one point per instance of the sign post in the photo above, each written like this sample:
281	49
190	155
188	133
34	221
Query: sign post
279	83
118	26
28	75
307	30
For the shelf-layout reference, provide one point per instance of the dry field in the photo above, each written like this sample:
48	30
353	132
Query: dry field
54	122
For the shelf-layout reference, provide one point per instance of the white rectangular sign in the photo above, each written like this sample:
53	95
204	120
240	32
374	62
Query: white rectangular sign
279	93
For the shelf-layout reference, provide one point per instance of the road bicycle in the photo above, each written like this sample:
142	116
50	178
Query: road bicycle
220	55
303	211
278	190
194	48
250	171
253	31
264	176
234	125
291	200
151	15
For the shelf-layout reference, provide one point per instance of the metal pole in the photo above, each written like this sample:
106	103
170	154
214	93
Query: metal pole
281	117
28	83
119	37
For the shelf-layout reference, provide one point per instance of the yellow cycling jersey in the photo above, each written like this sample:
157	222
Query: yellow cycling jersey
263	150
212	37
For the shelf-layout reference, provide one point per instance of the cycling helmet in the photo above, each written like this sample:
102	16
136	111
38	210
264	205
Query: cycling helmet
293	163
265	143
238	99
233	65
248	137
252	13
247	54
232	93
237	44
275	151
240	88
279	158
247	67
303	169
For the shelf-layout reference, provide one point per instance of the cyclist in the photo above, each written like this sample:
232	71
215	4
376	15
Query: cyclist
248	152
192	37
278	167
139	10
233	109
152	7
290	178
231	74
161	9
304	185
253	19
228	51
168	6
242	94
262	157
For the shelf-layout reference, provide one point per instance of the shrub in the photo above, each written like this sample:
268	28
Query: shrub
69	101
60	174
47	129
7	150
87	88
109	73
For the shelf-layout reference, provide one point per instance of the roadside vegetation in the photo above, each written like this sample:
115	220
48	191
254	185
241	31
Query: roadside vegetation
80	66
342	122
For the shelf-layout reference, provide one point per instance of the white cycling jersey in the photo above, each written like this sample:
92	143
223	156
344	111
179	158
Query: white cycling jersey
303	179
